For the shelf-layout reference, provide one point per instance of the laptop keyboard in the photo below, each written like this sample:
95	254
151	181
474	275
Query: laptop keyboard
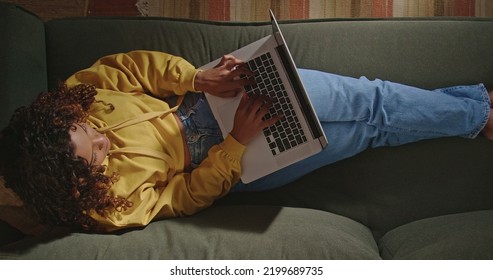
286	133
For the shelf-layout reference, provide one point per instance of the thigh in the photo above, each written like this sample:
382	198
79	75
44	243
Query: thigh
338	98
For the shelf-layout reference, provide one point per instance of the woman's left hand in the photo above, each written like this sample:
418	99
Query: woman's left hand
225	80
250	119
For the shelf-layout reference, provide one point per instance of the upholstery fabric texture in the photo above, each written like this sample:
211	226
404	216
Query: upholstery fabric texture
463	236
218	233
426	200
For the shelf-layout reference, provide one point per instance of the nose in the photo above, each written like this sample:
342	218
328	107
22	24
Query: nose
98	140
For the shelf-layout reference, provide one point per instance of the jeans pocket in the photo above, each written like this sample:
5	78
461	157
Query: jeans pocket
201	128
199	144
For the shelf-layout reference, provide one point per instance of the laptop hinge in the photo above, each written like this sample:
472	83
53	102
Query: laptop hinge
305	107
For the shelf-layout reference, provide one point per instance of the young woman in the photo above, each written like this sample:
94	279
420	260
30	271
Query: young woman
131	139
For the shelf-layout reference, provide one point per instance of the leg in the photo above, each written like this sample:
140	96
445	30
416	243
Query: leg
391	107
358	113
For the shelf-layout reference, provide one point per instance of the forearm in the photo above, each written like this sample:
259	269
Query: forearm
158	73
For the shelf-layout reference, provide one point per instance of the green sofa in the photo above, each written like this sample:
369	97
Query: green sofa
428	200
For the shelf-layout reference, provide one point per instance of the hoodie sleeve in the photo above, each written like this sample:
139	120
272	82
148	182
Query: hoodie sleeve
157	73
214	178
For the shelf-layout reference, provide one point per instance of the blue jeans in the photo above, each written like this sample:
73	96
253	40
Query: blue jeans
201	128
358	113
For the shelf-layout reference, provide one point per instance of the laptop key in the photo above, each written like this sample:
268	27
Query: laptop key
287	132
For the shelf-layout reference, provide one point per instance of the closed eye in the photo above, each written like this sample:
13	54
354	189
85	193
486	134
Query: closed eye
93	157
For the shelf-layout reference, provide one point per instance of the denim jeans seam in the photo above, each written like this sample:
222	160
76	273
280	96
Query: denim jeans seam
487	110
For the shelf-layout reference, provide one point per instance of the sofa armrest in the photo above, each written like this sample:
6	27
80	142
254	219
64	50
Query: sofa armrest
22	59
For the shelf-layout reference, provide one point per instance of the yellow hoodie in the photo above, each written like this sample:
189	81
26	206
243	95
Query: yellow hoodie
146	143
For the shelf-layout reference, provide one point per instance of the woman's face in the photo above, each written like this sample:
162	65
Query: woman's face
89	144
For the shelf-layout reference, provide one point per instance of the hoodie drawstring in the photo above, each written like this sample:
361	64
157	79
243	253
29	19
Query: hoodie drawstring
141	150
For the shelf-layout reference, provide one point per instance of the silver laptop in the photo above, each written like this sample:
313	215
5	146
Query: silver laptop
299	134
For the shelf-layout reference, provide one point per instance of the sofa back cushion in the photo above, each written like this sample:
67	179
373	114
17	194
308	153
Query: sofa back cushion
426	53
77	43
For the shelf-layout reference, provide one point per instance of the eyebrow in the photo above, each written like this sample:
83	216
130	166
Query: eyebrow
92	148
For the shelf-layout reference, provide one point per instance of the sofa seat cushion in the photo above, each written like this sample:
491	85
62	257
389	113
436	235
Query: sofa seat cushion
458	236
223	232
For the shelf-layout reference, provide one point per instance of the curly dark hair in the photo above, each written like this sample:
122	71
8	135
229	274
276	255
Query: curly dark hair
38	161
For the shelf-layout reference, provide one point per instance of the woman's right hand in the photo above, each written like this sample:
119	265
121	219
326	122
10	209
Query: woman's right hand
225	80
249	117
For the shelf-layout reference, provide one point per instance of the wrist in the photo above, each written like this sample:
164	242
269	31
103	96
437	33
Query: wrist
198	81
